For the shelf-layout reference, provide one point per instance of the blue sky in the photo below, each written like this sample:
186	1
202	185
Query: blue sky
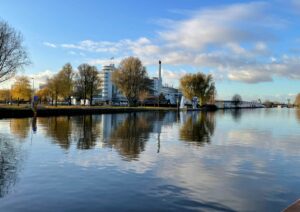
251	47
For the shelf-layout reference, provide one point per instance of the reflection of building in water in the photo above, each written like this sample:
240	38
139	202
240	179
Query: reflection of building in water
10	161
129	132
197	127
109	123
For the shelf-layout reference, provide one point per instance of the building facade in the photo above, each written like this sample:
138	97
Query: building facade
112	95
109	92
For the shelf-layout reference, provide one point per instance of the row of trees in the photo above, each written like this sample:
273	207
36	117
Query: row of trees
83	84
130	77
21	90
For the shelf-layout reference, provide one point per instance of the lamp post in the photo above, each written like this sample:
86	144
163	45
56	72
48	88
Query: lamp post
32	90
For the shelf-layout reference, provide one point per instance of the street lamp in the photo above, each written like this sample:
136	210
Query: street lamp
32	90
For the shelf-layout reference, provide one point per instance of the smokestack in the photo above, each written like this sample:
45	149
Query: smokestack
159	70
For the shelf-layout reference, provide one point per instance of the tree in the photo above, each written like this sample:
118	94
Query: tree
53	84
268	103
5	94
88	82
60	85
143	95
44	94
198	85
21	89
13	55
66	82
131	78
297	100
237	100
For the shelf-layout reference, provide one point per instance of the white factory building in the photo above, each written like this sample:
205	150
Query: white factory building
108	91
111	95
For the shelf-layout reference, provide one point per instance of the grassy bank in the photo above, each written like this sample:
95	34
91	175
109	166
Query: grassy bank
7	111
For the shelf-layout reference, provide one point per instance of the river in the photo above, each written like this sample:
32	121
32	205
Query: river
243	160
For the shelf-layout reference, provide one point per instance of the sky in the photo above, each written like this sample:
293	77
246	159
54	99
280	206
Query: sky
251	48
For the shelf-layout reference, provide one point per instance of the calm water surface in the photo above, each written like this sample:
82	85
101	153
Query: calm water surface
226	161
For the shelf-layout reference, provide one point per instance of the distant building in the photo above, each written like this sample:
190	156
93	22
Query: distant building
171	94
228	104
109	92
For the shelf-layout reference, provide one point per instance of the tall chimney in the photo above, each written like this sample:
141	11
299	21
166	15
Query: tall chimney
159	70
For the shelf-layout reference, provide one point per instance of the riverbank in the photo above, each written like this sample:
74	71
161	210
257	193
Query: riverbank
25	111
22	111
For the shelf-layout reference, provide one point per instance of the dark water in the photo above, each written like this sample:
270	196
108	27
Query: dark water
234	161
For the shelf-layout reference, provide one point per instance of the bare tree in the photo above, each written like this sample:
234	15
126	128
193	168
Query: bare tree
54	87
131	78
143	95
66	76
13	55
87	82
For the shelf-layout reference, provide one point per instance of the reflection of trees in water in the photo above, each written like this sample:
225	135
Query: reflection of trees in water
83	129
9	165
198	127
20	127
130	137
236	114
298	114
86	131
59	129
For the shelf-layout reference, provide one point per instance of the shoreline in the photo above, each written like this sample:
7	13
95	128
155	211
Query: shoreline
24	112
47	111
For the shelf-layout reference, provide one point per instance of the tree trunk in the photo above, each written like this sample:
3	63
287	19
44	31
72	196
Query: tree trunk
91	95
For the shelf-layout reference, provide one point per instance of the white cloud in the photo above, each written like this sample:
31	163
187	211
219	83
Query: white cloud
140	46
51	45
249	76
170	76
233	41
217	26
103	61
41	77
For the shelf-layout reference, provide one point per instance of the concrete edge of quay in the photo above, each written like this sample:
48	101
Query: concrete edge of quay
23	112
